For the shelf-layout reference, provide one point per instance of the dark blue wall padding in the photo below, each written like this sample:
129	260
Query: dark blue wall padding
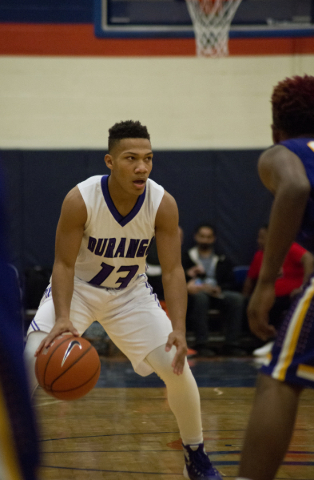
47	11
218	186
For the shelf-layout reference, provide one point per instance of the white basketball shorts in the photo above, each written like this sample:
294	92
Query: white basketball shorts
132	317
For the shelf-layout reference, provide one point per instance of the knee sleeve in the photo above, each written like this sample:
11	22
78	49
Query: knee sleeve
182	392
33	341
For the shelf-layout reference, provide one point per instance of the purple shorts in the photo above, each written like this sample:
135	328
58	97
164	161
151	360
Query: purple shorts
292	357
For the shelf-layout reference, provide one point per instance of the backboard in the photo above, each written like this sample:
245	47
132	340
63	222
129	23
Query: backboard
170	18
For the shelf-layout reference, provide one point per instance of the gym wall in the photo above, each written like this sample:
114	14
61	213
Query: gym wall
62	89
221	187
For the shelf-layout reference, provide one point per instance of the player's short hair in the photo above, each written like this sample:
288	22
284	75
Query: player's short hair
293	105
127	129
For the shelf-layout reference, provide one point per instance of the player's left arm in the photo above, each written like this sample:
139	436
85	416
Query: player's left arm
173	277
283	174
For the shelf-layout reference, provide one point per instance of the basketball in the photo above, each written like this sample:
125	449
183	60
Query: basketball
69	368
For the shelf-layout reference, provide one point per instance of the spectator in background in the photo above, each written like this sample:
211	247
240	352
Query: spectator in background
211	284
295	272
154	272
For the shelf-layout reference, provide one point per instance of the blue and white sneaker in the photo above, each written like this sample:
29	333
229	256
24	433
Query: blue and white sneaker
197	464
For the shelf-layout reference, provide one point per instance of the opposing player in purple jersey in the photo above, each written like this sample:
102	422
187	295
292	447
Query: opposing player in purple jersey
19	449
287	170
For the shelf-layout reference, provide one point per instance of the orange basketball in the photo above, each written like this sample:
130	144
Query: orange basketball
69	368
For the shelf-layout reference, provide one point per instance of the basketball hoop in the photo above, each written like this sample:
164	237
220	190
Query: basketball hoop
211	21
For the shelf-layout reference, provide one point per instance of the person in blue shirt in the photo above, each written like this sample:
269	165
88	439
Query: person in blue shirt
287	171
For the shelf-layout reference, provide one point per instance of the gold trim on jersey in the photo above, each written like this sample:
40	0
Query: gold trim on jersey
292	334
306	372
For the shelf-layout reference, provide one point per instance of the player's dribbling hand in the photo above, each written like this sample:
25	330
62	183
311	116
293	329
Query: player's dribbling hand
258	311
61	326
177	338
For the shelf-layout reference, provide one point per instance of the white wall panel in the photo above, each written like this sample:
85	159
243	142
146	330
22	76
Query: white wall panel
187	103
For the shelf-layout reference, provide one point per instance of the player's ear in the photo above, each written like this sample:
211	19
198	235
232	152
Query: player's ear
108	161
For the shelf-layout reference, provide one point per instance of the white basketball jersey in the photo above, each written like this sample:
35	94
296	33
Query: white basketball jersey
114	248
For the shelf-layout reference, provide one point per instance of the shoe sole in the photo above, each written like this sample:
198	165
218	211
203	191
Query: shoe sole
186	475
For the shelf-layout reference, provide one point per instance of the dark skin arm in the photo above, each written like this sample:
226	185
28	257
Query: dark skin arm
68	241
173	277
283	174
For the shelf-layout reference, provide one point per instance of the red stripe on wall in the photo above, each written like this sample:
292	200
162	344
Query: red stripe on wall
271	46
75	39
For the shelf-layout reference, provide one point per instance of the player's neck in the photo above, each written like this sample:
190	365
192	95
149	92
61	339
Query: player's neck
123	201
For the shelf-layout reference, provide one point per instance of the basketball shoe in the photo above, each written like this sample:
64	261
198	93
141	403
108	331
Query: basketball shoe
197	464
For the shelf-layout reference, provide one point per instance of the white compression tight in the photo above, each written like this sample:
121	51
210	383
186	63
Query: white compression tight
182	392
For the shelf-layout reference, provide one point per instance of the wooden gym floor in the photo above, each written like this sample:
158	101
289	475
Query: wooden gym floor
124	429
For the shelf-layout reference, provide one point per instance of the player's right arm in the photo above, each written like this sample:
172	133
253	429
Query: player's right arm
68	241
283	174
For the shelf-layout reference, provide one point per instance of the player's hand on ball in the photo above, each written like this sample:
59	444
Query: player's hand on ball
177	338
61	326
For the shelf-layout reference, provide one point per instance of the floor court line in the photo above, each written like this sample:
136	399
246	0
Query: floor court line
100	437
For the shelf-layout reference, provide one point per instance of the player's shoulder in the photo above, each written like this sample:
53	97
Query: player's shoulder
73	209
90	182
275	152
289	150
91	188
168	201
167	211
279	158
155	194
154	187
78	192
73	202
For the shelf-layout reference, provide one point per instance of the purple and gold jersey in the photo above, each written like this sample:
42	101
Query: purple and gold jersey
304	149
114	248
292	356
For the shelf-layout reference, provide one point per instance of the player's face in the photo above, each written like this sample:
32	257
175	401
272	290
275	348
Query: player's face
130	162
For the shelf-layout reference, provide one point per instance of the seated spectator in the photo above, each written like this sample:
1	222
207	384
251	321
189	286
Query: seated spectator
210	284
295	272
153	272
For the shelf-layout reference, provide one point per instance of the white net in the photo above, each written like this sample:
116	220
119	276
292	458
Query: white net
211	21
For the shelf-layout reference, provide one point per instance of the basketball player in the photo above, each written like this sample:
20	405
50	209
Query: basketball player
106	227
286	169
19	454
